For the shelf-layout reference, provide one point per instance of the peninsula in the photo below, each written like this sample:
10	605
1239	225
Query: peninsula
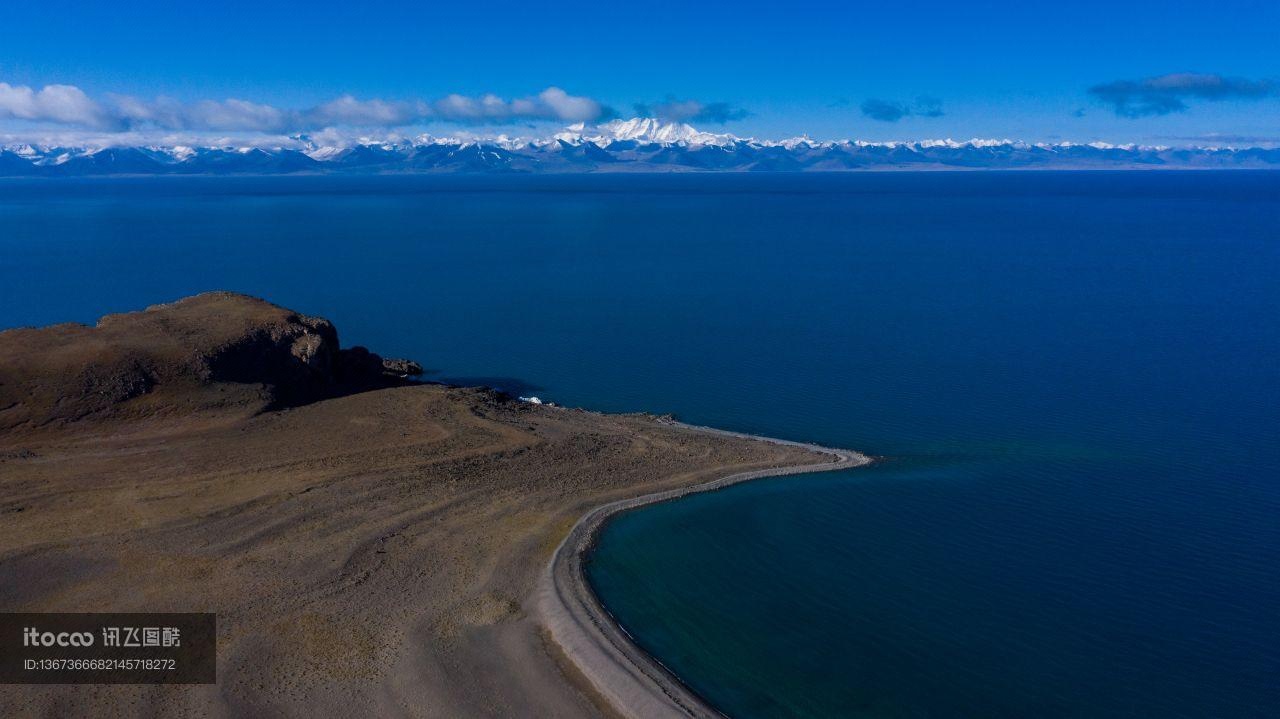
368	543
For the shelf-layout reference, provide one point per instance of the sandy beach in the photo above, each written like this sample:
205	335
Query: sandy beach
635	683
384	550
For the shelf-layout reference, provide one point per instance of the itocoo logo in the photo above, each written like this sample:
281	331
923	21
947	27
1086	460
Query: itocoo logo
32	637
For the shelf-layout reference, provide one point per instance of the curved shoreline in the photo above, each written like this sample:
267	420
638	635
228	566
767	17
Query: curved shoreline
633	682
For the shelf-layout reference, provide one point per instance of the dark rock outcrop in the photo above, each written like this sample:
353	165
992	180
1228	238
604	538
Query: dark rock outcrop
215	351
402	367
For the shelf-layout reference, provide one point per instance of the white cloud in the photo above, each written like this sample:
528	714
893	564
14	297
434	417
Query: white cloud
550	104
564	106
61	137
347	110
233	115
61	104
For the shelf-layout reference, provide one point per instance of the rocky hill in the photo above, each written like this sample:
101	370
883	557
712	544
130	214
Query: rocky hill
218	351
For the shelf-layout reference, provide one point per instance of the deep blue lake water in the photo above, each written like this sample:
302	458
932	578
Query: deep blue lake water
1075	378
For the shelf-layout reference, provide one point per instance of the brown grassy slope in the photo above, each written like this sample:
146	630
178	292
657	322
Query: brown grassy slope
372	554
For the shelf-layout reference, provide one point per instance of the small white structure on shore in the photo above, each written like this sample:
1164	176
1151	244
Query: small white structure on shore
531	400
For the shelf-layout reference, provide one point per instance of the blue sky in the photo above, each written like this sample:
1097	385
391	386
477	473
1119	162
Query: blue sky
1166	72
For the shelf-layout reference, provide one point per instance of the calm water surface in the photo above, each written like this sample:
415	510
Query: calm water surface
1074	377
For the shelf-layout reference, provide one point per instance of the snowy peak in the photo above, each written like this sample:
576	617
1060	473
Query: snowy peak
648	129
642	130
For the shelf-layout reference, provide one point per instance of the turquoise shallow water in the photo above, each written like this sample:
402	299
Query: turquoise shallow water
1073	377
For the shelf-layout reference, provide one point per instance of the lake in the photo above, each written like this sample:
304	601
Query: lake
1073	378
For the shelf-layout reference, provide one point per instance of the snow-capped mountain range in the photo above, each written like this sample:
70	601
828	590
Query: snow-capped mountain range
639	144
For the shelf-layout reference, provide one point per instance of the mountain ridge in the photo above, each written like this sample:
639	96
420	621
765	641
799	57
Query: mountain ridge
638	144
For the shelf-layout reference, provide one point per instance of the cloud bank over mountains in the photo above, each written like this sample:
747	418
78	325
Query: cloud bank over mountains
71	107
